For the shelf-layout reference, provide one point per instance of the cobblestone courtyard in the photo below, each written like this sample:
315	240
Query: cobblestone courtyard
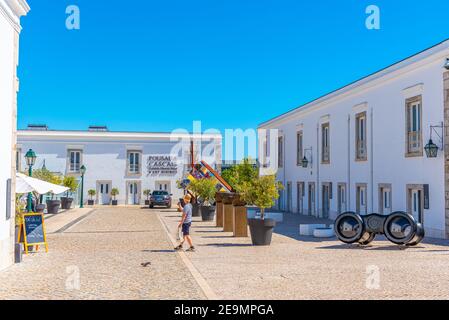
106	249
98	254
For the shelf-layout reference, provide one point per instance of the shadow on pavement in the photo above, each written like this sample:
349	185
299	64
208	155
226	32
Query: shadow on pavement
226	245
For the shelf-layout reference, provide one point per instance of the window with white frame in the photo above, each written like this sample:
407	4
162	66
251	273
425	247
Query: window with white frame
414	123
325	145
74	164
281	152
360	137
134	158
299	148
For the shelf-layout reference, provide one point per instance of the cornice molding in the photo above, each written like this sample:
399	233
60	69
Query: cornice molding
12	10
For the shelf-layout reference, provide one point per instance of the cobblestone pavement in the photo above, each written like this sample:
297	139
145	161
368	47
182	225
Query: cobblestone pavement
295	267
100	257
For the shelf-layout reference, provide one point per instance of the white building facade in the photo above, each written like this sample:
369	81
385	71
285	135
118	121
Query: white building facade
131	162
364	145
10	13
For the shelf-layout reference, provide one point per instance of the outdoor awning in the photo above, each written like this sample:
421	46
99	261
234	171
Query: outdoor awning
25	184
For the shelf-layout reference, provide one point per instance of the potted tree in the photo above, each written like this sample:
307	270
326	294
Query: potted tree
71	183
147	193
262	192
91	193
44	174
206	189
114	193
194	187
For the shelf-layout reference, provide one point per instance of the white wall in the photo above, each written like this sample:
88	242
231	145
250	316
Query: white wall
106	160
10	12
385	107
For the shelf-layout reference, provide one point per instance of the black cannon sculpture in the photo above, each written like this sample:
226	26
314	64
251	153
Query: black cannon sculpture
399	227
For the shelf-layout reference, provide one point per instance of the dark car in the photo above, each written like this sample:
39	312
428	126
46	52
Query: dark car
160	198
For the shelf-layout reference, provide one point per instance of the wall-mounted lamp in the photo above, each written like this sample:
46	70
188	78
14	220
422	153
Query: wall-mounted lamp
305	162
431	148
446	65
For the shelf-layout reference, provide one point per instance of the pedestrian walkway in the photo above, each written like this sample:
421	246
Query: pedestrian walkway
101	257
297	267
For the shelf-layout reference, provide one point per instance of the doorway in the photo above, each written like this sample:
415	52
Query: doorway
289	197
326	196
342	207
104	192
300	198
385	199
311	198
415	202
361	205
133	191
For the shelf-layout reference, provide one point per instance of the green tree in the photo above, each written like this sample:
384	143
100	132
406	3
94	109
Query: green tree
205	189
91	193
46	175
71	183
261	192
114	192
147	193
240	174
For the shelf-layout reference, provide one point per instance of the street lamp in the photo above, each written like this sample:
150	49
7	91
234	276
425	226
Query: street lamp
431	149
305	162
83	171
30	157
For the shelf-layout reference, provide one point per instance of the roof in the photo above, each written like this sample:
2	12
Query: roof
113	135
438	48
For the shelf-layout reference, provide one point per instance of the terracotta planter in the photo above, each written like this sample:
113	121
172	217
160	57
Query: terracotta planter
219	205
228	212
40	208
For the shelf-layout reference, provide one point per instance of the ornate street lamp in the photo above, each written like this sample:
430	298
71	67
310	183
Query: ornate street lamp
30	157
305	162
83	171
431	149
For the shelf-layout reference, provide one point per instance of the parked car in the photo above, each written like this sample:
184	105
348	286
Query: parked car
160	198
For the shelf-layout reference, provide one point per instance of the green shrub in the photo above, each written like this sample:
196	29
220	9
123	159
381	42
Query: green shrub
114	192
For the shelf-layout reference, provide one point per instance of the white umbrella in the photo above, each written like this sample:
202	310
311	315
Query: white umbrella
25	184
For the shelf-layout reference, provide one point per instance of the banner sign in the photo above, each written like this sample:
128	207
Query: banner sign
162	165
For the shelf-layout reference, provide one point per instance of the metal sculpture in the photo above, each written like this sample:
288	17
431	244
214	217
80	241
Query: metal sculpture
399	227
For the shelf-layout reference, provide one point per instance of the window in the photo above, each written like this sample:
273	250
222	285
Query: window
361	204
414	123
18	160
280	152
300	197
311	198
415	201
360	136
385	198
134	162
325	146
299	149
74	161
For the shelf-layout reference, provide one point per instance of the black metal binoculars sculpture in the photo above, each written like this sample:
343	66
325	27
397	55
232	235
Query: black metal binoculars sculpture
399	227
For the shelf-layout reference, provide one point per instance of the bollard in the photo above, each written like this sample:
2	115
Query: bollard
18	253
219	205
228	212
239	218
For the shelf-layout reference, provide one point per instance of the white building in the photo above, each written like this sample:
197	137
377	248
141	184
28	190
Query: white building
129	161
365	145
10	13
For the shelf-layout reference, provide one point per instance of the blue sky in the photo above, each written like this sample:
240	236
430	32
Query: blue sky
159	65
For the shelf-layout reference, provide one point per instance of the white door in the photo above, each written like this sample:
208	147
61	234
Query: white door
416	204
289	197
132	193
104	196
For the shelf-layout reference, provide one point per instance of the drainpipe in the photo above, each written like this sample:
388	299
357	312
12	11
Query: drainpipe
372	159
348	188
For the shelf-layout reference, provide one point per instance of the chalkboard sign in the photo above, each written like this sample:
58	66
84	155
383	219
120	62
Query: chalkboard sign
32	231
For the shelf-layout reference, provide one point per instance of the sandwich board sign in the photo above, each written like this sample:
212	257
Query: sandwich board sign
32	231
